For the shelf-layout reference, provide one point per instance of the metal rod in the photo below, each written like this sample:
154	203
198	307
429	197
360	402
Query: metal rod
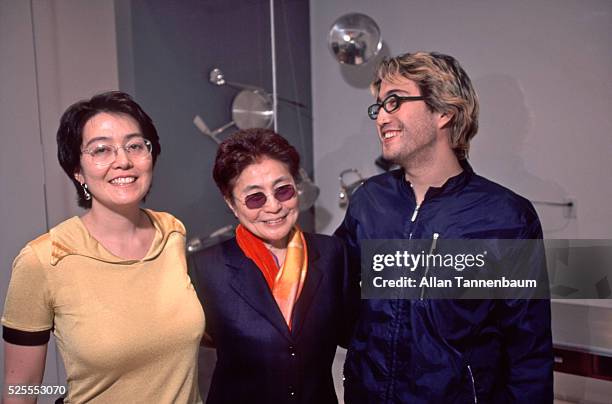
40	128
241	86
215	132
273	44
567	204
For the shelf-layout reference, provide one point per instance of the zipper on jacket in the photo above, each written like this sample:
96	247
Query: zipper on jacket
469	368
415	213
431	250
413	218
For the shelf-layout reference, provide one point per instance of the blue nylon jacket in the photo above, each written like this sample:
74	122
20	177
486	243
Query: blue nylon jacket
445	351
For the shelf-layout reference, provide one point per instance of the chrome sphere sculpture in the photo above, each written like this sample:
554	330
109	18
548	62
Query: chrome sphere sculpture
354	39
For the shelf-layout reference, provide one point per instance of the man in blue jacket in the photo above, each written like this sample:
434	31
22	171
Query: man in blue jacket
440	351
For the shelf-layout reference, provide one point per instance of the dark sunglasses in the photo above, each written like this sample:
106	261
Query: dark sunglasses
259	199
390	104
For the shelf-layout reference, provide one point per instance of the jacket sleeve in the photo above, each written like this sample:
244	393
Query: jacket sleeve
347	232
528	341
350	299
196	275
526	330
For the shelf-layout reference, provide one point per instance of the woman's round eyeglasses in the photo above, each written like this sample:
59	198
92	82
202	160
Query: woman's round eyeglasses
104	154
259	199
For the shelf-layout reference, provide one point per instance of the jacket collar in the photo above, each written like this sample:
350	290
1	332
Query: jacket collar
248	281
451	186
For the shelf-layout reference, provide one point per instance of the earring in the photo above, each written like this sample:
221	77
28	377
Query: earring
86	192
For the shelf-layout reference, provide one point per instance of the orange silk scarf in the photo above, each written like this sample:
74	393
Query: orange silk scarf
286	282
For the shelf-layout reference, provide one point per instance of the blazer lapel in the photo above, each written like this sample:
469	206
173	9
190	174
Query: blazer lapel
248	282
309	291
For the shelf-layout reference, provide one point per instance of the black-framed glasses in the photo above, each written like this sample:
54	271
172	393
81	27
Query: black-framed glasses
390	104
102	154
259	199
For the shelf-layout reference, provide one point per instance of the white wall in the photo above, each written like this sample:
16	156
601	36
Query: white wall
76	55
542	71
52	54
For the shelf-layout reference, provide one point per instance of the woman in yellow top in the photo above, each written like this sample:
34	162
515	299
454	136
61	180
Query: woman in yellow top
112	284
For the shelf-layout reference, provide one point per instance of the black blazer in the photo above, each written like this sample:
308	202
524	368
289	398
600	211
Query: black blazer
259	360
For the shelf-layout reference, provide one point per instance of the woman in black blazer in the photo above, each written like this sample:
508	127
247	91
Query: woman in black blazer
277	301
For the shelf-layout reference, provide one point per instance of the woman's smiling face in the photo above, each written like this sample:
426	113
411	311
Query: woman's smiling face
273	221
125	181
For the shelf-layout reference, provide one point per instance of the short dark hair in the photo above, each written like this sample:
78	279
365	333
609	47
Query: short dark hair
72	122
246	147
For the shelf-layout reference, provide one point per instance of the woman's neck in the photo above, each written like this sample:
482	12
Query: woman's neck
278	249
114	223
126	234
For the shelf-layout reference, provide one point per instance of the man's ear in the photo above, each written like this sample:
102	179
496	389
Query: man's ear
445	119
231	206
